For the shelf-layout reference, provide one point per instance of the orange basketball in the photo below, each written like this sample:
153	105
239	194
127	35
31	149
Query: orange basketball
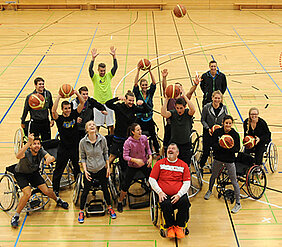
36	101
179	10
144	64
213	128
249	142
66	91
226	141
172	91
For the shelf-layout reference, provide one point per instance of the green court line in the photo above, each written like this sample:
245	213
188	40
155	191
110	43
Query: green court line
264	194
155	243
26	45
83	241
106	226
108	243
6	241
127	48
259	209
77	210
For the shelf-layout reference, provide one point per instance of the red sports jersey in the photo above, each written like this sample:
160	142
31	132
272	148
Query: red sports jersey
170	176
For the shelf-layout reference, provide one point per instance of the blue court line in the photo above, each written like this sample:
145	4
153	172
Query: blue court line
237	109
25	84
257	60
20	231
85	57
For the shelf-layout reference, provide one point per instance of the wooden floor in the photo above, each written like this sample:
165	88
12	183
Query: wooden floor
55	45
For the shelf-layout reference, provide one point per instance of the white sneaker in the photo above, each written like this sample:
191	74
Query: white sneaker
207	195
236	208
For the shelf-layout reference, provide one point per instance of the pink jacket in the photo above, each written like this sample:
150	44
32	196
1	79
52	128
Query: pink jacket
138	149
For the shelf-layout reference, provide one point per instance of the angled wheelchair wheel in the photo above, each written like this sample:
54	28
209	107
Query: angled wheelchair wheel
256	182
19	139
196	178
272	156
77	189
116	176
195	141
7	192
112	188
154	208
199	150
68	176
222	181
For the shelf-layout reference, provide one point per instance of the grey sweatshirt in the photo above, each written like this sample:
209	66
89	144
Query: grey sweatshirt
94	155
209	119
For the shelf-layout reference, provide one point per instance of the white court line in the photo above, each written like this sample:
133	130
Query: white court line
193	48
250	198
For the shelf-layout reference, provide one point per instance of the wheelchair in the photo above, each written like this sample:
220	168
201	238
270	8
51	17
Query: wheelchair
96	206
157	215
10	194
270	157
251	178
196	177
138	193
51	146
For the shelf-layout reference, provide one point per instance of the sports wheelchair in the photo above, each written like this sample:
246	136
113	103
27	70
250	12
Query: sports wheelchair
138	193
270	157
10	194
157	215
95	205
251	179
51	146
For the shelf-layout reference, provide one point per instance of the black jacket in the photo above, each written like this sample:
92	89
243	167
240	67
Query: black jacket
210	84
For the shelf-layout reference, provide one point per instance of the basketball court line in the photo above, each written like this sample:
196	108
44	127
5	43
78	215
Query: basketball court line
19	234
257	60
25	45
25	84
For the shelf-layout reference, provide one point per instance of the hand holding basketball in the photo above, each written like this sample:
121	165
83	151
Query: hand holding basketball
249	142
172	91
144	64
36	101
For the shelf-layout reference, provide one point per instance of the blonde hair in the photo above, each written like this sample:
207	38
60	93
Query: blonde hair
249	119
86	125
219	93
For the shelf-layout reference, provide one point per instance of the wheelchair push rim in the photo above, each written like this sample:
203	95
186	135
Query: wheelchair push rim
154	208
256	182
272	154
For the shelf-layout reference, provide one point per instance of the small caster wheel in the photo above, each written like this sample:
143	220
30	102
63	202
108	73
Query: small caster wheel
162	232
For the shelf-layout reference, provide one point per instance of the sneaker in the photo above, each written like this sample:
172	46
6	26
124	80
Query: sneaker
179	232
62	204
207	195
171	232
112	213
120	207
236	208
81	217
15	221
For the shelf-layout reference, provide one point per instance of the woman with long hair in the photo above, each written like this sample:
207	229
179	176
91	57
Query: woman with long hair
257	127
137	152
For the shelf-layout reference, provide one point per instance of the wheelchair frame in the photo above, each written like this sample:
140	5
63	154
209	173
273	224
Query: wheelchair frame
37	200
254	180
157	215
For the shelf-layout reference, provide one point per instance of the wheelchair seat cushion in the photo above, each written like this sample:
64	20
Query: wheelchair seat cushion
245	159
11	168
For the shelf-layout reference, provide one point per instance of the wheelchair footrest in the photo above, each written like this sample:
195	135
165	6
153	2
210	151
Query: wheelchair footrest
96	207
35	203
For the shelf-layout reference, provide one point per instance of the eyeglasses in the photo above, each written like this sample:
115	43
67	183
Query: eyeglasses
254	114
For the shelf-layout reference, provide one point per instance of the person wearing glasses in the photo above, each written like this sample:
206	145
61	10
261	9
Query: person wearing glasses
257	127
102	89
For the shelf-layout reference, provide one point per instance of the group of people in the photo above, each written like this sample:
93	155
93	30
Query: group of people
80	140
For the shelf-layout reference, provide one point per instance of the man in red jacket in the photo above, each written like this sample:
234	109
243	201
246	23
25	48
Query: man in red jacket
170	179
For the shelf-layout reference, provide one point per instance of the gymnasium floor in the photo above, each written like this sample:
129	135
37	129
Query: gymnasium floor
56	46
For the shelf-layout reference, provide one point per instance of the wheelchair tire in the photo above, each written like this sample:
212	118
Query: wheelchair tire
18	140
68	176
256	182
77	189
7	192
154	208
272	156
195	141
199	150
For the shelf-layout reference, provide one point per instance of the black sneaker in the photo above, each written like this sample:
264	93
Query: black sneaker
15	221
62	204
120	207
